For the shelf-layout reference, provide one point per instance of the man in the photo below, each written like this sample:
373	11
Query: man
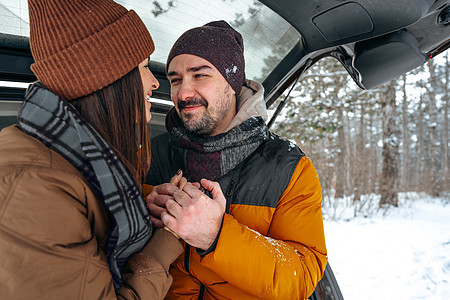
252	222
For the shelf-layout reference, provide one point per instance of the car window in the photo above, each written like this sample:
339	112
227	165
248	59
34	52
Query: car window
267	36
14	17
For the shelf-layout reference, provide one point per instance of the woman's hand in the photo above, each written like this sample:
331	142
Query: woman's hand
160	194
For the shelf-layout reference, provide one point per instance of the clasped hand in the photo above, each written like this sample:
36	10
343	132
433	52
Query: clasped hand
183	208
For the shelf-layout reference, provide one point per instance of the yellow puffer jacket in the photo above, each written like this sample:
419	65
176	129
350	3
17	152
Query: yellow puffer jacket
262	252
53	232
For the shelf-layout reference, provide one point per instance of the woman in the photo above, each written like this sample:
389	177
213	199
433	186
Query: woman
72	218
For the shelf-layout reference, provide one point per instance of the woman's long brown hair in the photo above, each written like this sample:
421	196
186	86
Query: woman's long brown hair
118	114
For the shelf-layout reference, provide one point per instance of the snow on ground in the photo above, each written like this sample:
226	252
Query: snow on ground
395	253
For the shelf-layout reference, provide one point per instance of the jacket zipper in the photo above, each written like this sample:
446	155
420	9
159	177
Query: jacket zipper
187	251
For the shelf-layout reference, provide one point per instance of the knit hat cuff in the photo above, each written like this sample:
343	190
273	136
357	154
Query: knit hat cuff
107	56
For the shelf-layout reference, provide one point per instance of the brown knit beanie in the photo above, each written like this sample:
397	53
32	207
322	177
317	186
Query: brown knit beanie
81	46
218	43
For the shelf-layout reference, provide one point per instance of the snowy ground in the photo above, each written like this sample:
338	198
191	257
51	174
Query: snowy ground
398	253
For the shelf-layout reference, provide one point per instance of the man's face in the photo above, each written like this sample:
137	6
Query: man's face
204	100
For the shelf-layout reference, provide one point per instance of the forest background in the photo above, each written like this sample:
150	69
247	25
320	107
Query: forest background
381	141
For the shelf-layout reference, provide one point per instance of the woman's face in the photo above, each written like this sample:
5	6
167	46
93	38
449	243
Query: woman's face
149	83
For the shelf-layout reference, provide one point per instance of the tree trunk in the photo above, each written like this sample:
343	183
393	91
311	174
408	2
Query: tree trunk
445	129
405	136
360	161
349	155
341	170
420	145
433	147
373	157
389	177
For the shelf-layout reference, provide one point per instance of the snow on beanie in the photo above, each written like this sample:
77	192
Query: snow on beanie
218	43
81	46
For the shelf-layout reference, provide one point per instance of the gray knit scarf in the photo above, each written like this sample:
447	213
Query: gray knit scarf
212	157
57	124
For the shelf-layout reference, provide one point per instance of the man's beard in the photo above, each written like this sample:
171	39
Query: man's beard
207	123
205	126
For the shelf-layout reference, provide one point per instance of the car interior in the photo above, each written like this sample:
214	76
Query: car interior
374	40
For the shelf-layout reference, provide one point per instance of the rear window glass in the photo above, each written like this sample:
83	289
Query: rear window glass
267	36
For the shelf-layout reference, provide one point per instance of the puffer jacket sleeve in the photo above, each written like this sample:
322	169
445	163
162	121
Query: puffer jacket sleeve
53	234
288	262
147	273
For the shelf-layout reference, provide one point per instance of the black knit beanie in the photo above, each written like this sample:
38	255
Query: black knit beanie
218	43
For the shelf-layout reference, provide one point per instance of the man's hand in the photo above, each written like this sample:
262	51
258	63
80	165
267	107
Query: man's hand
160	194
194	216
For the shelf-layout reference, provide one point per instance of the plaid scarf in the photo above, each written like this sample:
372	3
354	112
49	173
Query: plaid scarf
58	125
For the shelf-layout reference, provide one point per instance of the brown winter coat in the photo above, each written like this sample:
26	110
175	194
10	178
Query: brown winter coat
53	232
